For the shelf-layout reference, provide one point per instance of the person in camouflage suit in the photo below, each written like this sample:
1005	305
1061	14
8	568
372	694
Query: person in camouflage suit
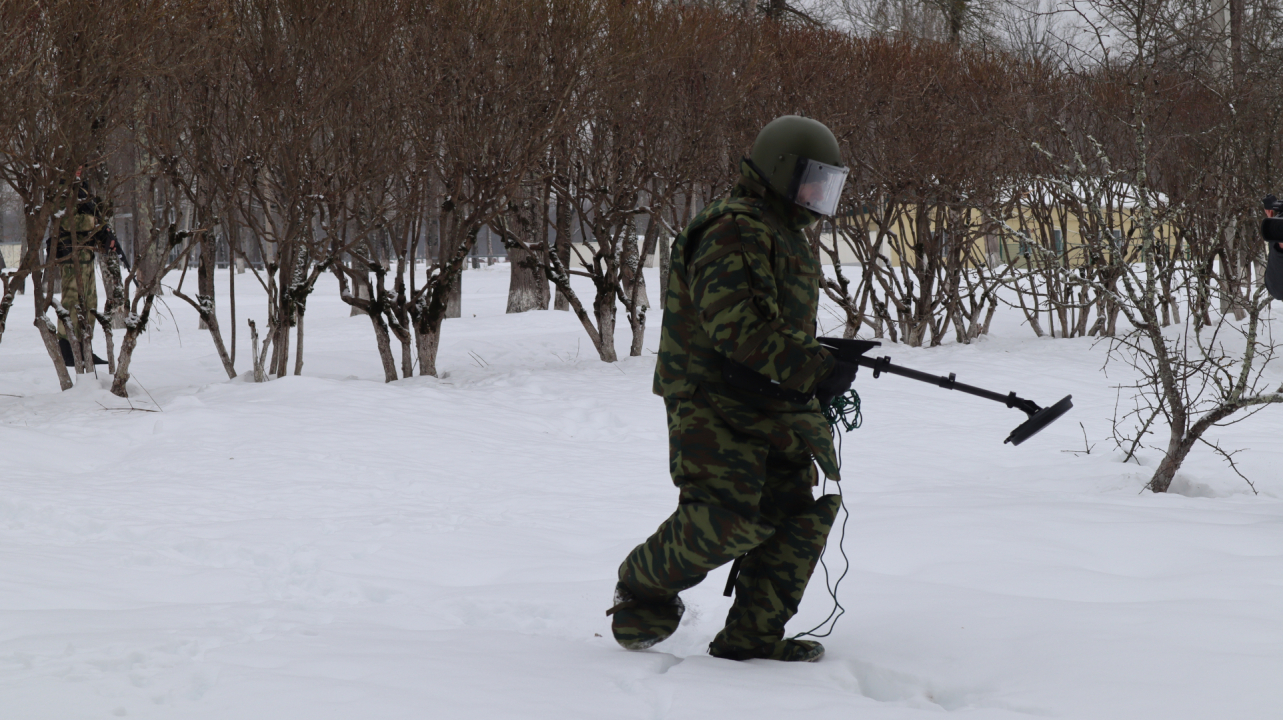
80	233
740	369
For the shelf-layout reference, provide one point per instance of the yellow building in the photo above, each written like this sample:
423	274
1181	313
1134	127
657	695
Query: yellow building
1053	229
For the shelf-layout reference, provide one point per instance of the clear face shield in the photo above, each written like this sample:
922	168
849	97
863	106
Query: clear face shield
818	187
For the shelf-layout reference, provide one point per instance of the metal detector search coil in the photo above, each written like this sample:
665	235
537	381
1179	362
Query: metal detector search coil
853	351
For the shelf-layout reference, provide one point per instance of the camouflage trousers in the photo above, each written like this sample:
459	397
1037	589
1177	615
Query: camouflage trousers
739	496
78	288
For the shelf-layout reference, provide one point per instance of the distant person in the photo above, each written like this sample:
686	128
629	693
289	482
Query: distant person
80	233
740	369
1272	231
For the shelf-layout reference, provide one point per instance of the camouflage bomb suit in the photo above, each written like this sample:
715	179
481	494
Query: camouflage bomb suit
744	286
80	233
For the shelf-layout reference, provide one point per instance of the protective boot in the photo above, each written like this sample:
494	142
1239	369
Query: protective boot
639	622
695	539
785	651
769	589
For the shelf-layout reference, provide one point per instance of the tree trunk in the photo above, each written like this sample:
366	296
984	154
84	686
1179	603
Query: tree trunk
205	308
540	238
402	326
361	285
429	342
298	345
113	288
604	309
527	286
382	339
150	253
407	354
665	265
280	339
284	314
561	246
454	298
638	326
105	322
18	284
562	276
132	331
15	283
211	320
260	372
633	262
640	303
454	292
205	271
1177	449
50	337
231	307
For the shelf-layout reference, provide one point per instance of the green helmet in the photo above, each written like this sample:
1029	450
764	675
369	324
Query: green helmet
799	159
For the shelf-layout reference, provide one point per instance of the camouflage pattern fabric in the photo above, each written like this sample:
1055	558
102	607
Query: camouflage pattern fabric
78	289
738	495
744	285
718	518
771	581
84	222
78	233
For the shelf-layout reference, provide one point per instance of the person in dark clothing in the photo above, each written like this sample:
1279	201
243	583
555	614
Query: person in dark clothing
1272	231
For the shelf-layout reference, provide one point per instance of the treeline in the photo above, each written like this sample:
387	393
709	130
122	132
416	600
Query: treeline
375	140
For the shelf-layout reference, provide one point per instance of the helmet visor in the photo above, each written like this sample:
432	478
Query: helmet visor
818	186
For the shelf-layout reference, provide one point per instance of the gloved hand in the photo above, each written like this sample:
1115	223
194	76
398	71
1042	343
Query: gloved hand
836	382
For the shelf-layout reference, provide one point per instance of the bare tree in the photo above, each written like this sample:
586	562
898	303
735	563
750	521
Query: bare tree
300	66
498	80
73	72
626	161
1194	377
194	157
931	174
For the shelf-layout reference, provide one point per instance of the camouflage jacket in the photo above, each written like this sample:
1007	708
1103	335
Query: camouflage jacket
87	228
744	287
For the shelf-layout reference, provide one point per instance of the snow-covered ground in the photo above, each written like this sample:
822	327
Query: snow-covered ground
330	546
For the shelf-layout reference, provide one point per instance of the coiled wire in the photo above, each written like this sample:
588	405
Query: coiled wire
842	411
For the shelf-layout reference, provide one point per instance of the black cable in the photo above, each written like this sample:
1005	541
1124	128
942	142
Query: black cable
843	410
836	412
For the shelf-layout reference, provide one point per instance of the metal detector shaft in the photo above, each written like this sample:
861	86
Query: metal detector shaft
883	365
853	351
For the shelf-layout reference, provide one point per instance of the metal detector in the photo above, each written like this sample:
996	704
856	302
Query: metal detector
852	351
